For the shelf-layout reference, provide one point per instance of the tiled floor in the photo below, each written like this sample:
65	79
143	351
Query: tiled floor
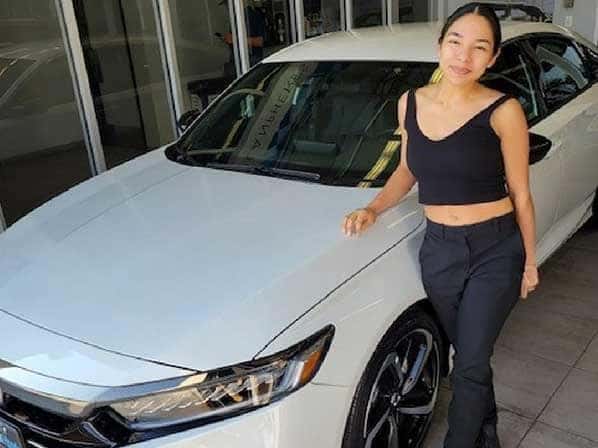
546	359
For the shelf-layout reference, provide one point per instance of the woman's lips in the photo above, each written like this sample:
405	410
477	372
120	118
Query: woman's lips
460	71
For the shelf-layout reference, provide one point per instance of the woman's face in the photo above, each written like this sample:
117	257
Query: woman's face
466	50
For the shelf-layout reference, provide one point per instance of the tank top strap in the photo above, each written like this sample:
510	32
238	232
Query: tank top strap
487	112
410	110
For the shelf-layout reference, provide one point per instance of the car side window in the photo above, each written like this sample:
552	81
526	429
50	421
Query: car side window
513	74
563	73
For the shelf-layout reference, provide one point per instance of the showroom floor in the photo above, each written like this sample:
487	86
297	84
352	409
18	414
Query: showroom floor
546	359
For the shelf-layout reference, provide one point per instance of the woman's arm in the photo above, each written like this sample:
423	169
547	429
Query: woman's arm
510	125
402	180
397	186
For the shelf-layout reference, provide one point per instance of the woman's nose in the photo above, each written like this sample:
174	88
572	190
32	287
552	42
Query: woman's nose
464	55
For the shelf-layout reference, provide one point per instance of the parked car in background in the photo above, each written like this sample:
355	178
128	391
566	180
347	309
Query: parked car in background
203	294
25	68
519	11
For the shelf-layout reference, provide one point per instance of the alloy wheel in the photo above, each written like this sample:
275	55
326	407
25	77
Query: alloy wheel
402	398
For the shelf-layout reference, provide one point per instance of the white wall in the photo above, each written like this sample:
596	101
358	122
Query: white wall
583	14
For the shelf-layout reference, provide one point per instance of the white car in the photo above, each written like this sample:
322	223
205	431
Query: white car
203	295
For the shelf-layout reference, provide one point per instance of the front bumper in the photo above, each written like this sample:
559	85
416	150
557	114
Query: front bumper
312	416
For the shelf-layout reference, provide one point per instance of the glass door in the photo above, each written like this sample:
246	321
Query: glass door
269	26
122	54
42	150
205	54
321	16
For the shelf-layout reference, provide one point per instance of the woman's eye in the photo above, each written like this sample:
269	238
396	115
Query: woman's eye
453	42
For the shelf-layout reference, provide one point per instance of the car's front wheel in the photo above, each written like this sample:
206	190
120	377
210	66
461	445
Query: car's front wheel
595	208
395	398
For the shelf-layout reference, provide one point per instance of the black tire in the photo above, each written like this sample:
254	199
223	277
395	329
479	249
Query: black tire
379	416
594	218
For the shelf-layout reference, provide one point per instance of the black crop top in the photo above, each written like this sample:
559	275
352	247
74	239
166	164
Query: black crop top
466	167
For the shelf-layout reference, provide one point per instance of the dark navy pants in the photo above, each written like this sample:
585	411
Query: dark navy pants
472	275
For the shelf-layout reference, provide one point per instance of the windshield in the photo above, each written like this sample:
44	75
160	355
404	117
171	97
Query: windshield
10	70
335	121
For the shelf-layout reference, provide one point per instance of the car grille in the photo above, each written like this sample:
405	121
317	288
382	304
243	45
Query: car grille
43	429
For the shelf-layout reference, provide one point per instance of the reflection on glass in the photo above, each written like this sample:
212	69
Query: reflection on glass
563	72
126	76
321	16
203	41
334	122
42	152
268	24
406	11
367	13
513	74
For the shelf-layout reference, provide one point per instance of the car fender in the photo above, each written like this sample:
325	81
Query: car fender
362	309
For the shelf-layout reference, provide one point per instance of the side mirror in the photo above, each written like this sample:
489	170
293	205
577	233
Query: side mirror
538	147
187	118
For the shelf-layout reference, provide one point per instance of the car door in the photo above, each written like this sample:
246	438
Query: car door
514	73
571	103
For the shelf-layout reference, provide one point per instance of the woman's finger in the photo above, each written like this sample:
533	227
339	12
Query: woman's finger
353	225
359	223
523	293
350	223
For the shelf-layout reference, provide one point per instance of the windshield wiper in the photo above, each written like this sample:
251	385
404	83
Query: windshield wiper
266	171
182	156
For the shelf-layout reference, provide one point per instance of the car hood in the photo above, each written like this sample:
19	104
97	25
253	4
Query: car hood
193	267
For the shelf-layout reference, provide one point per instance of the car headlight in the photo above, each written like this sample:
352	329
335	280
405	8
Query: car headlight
232	390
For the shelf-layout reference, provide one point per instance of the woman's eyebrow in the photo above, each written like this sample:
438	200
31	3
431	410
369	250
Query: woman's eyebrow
454	33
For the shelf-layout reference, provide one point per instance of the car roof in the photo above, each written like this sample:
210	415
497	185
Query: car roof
399	42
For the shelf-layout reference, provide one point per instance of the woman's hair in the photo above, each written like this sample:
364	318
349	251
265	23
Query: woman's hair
479	9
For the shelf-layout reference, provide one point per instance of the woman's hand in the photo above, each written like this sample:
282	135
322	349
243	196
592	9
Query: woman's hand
530	280
358	221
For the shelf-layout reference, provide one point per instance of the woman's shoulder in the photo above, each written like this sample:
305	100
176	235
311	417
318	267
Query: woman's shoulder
426	91
505	110
424	95
491	95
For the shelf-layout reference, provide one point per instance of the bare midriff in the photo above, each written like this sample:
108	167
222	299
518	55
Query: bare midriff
459	215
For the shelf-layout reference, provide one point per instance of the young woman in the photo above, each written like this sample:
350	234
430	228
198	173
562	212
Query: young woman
462	142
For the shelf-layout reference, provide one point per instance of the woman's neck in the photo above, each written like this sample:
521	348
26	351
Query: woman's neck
447	93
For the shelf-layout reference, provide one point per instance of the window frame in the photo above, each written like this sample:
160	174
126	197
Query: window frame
526	41
516	44
586	57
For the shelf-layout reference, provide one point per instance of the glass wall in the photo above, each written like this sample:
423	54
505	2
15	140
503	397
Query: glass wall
321	16
126	75
204	49
407	11
269	27
42	151
126	47
367	13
